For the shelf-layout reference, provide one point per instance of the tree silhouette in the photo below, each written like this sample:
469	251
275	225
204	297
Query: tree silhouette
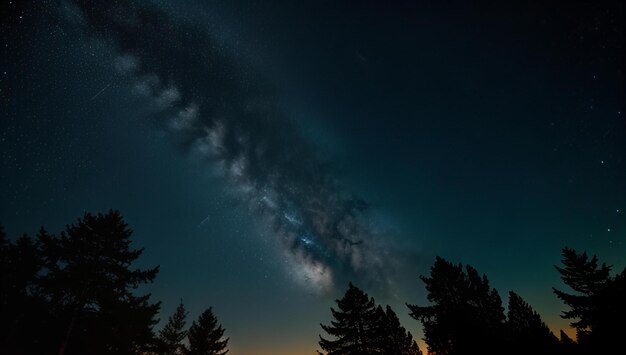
466	315
89	284
567	346
74	294
20	264
527	330
173	333
361	327
206	337
354	325
392	338
598	305
22	311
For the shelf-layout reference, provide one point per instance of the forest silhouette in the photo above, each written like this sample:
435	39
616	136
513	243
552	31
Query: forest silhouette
75	293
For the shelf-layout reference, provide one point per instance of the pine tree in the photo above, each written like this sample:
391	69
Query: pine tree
173	333
89	286
597	307
583	276
466	315
527	330
354	325
567	346
392	338
206	337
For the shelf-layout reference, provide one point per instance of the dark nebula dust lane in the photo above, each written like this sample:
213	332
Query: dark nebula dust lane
229	115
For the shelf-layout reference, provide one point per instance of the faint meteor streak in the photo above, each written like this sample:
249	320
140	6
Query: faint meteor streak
101	91
203	221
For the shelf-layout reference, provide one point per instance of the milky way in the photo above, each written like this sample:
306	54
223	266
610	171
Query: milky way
229	115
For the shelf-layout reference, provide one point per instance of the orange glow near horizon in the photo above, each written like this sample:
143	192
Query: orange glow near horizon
303	347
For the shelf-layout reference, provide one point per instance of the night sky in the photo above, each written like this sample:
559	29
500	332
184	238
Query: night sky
267	153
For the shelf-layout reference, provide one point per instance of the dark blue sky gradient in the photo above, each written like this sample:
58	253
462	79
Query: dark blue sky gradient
491	135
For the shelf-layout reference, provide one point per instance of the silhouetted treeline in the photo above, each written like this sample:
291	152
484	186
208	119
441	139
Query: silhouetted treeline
204	337
361	327
466	316
75	294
